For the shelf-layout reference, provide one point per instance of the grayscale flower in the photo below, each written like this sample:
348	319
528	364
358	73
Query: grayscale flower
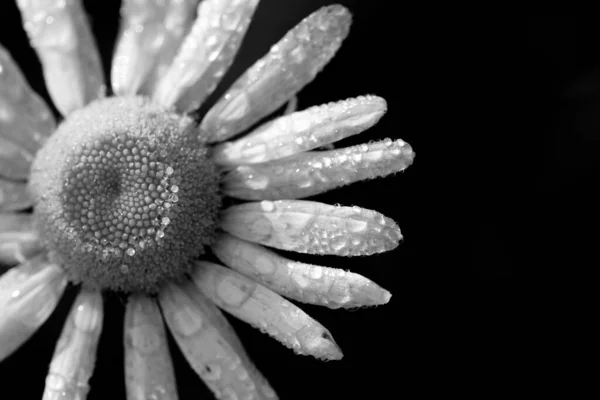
131	191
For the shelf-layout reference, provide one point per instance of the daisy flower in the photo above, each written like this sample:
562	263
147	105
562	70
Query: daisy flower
133	190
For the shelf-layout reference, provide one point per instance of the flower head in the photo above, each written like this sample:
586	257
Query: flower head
134	192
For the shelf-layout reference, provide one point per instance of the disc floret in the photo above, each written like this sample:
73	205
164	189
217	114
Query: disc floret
127	197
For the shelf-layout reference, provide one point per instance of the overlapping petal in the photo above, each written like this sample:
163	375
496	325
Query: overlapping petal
211	346
290	65
148	366
74	357
206	53
312	227
25	120
266	310
19	239
59	32
151	32
314	284
28	295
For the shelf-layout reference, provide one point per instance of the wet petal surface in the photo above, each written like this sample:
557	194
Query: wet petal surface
211	346
307	283
18	238
14	196
148	367
302	131
28	295
15	160
315	172
59	32
312	227
290	65
74	357
151	32
265	310
206	53
25	119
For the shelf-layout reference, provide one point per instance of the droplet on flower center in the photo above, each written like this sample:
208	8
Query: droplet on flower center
127	197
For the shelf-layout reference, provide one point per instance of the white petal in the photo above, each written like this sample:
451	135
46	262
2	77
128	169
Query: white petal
25	119
14	196
302	131
15	159
28	295
148	367
315	172
75	353
307	283
311	227
59	32
265	310
211	346
18	238
290	65
151	32
206	53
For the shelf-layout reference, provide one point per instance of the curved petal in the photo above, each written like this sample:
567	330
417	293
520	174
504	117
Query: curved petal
28	295
206	53
18	238
302	131
25	119
151	32
75	353
59	32
315	172
14	196
290	65
265	310
307	283
210	345
311	227
148	367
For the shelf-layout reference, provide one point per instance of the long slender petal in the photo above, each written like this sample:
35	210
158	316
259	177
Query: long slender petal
206	53
311	227
15	159
14	196
265	310
151	32
28	295
307	283
75	353
59	32
211	346
290	65
316	172
148	367
25	119
302	131
18	238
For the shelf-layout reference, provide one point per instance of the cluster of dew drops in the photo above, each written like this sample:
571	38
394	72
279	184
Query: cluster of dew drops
120	195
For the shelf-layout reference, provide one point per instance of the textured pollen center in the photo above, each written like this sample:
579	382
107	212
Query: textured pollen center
119	193
127	197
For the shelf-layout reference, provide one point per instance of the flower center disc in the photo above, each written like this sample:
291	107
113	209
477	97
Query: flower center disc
126	195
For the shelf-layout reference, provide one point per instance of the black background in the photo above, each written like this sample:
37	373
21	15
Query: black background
486	285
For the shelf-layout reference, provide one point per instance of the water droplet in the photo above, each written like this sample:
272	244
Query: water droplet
169	171
166	221
267	206
130	252
338	243
212	372
174	189
160	234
